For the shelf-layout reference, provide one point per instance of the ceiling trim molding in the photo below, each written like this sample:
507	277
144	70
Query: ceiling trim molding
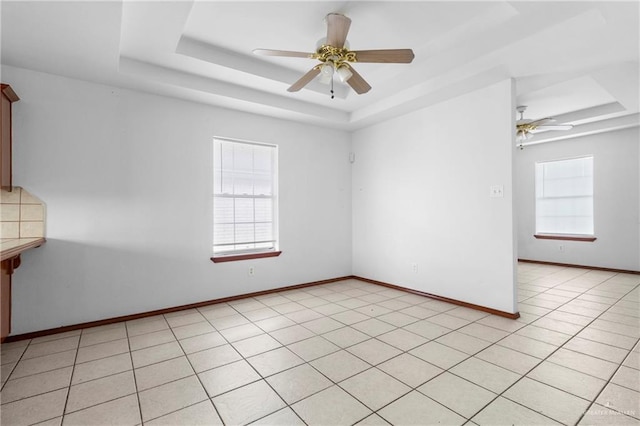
593	128
163	75
229	59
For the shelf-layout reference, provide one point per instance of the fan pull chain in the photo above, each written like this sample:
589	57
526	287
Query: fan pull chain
332	95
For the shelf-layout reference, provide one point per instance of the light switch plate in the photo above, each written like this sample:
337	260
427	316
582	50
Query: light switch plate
496	191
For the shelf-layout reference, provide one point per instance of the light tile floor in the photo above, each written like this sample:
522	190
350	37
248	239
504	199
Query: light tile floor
347	353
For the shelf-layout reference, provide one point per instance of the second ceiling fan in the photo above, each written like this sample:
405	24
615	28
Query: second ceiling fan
335	57
525	129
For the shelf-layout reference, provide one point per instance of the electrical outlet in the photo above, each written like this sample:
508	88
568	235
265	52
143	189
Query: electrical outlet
252	271
414	268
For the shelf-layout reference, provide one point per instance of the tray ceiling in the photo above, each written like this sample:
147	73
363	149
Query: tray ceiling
575	60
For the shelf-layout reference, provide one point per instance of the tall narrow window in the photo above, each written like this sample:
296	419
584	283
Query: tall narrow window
564	197
244	198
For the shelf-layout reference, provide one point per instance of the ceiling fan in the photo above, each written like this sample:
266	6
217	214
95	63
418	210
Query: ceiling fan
525	128
335	57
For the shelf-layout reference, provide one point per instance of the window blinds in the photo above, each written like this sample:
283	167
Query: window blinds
244	195
564	196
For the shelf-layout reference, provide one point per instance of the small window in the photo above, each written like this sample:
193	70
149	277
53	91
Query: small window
244	198
564	197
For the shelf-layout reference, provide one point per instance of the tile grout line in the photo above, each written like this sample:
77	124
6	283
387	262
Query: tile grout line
548	356
539	363
396	327
593	402
305	362
492	343
586	317
159	362
14	367
133	373
73	370
620	365
496	342
70	385
370	366
366	362
511	333
242	358
407	352
98	378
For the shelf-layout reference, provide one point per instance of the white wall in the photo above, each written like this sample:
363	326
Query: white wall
421	196
126	178
616	200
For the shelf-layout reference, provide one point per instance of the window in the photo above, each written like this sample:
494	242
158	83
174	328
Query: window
244	200
564	197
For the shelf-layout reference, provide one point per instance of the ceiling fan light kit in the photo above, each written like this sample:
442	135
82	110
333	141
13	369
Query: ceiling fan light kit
326	73
343	73
336	58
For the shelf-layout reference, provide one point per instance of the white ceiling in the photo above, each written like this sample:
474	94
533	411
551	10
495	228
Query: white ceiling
576	61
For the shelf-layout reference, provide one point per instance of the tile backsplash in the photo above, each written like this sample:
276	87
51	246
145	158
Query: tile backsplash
21	214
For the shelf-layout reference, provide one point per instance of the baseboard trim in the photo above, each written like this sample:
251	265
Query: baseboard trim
443	299
64	329
570	265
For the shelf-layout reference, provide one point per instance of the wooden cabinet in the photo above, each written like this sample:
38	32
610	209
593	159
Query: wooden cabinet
8	97
5	300
14	241
8	266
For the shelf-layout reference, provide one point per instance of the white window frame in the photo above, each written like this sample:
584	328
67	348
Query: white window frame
267	247
562	203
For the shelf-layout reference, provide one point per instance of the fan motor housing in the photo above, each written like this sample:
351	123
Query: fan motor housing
334	54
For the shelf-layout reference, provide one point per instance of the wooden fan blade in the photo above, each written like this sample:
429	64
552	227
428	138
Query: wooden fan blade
288	53
337	29
358	83
304	80
393	56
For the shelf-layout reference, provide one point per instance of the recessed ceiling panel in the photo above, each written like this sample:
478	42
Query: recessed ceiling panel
298	26
571	95
564	55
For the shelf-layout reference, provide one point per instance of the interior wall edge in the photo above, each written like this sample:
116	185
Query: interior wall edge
487	309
